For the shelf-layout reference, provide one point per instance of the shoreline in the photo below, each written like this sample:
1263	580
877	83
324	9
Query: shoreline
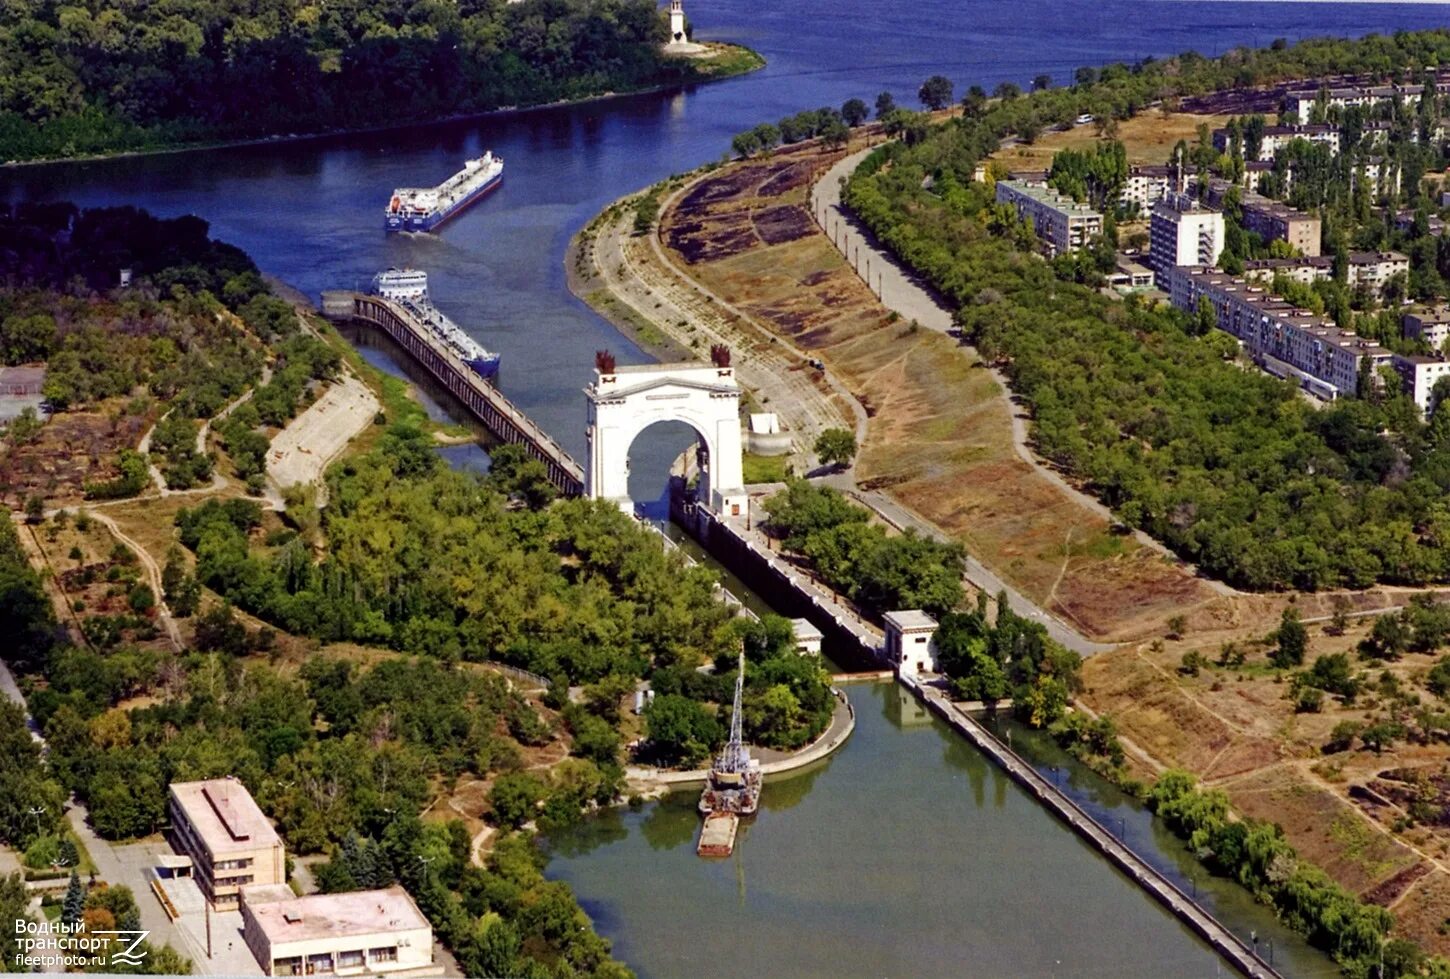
726	47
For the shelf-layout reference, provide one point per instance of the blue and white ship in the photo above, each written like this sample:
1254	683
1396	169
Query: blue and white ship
425	208
409	289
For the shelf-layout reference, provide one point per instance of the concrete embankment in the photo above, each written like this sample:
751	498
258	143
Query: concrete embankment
849	639
1239	953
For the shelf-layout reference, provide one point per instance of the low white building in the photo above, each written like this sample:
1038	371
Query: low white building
350	934
807	637
911	642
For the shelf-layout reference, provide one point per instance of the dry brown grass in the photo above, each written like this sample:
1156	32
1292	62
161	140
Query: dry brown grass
1148	137
939	437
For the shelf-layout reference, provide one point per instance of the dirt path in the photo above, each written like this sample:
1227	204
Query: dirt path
153	576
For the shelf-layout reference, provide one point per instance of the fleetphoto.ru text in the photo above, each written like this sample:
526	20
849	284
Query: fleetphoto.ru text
55	946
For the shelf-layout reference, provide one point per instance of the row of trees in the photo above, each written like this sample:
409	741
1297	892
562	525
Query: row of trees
116	76
880	571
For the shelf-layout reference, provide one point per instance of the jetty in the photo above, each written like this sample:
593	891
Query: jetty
485	402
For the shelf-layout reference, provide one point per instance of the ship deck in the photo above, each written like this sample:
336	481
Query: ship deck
717	835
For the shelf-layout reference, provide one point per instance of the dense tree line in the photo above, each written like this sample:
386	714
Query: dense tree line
881	571
1145	407
1255	854
116	76
1008	656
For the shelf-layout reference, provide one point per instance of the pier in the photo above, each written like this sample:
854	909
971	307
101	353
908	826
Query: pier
499	415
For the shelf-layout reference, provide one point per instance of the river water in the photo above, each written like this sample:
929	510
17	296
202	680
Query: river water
907	854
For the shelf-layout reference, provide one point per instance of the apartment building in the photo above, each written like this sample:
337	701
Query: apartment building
1271	219
1382	176
1418	374
1277	137
218	825
1430	324
1302	102
1373	270
354	933
1183	232
1146	186
1281	338
1061	224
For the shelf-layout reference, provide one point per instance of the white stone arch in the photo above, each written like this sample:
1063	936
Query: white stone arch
623	402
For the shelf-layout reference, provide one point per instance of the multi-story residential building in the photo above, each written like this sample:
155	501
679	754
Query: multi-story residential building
1405	221
218	825
1183	232
1280	337
1418	374
1373	270
1270	219
1382	175
1146	186
1303	101
1275	138
1062	224
352	933
1254	171
1431	325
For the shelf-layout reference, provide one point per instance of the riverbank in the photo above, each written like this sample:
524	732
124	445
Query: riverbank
734	60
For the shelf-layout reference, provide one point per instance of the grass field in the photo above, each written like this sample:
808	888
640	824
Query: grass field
1148	138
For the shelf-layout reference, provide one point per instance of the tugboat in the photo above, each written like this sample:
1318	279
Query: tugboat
732	789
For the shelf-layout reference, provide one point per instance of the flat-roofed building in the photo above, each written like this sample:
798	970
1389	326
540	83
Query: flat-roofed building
911	642
1373	270
1183	232
1280	337
1129	276
807	637
231	844
1270	219
1419	374
1431	325
1146	186
1061	223
1275	138
1302	102
352	933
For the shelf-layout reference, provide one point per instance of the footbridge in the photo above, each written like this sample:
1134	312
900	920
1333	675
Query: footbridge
499	415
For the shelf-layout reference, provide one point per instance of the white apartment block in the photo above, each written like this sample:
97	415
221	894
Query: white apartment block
1418	374
1062	224
1280	337
1183	232
1373	270
1382	176
1275	138
1146	186
1303	101
349	934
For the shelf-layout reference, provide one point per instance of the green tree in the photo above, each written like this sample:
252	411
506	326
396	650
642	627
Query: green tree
854	112
681	731
1291	640
75	900
936	92
836	447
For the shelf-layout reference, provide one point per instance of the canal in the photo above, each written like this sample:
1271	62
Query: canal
907	853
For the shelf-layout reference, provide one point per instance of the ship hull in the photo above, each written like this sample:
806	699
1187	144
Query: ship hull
432	221
485	367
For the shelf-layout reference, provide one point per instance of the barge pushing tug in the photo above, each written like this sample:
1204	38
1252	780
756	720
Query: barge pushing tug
409	289
425	208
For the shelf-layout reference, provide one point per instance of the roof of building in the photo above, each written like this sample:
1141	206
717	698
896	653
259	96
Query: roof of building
804	629
1433	314
289	918
764	422
910	619
224	815
1050	197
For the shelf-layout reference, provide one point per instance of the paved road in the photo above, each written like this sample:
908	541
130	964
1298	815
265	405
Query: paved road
903	291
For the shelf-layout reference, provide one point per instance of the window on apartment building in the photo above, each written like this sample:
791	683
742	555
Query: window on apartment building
347	960
388	954
319	963
287	967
